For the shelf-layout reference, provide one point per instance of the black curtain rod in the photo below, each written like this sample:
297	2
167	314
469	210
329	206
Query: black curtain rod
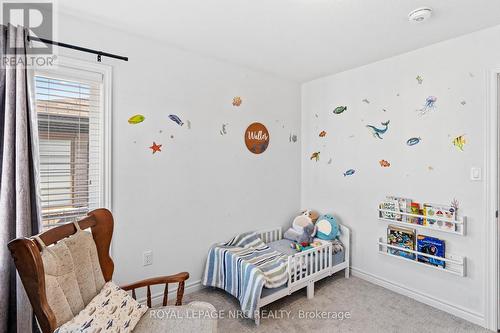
79	48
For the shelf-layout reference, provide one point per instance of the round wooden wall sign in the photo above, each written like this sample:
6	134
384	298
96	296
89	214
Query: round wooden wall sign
257	138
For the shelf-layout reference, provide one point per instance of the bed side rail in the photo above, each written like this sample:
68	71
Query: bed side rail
311	262
345	238
270	235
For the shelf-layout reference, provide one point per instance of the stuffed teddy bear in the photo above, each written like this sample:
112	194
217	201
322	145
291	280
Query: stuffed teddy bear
303	229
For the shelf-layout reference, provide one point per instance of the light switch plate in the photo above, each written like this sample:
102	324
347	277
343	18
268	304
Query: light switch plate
475	174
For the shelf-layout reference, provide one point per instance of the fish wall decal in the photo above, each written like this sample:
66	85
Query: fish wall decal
176	119
339	109
413	141
136	119
378	132
384	164
349	172
459	142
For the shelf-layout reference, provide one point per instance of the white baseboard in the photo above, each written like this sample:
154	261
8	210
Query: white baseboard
189	288
455	310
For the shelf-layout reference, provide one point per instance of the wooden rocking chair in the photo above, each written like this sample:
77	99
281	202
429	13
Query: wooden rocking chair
28	261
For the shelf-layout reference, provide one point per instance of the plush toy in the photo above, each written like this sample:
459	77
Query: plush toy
303	229
313	215
327	227
301	221
305	235
299	247
306	217
308	234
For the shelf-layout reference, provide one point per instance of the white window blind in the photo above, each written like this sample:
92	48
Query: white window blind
69	109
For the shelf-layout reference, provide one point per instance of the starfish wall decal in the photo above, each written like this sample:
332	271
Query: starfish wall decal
155	147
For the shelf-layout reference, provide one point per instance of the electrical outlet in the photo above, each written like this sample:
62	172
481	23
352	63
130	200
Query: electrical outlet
147	258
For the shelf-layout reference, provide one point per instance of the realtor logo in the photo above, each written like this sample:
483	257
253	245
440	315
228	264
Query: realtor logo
37	17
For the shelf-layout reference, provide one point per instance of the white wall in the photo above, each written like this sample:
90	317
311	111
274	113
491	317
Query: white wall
453	71
203	187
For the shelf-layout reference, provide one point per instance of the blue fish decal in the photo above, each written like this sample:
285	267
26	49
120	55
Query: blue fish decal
349	172
177	120
413	141
378	132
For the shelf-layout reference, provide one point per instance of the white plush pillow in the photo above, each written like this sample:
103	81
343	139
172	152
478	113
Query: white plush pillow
112	310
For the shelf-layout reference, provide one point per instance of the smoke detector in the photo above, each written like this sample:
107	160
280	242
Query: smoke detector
420	14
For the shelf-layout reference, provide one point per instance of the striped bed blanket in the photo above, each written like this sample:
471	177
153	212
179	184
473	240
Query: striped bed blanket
243	266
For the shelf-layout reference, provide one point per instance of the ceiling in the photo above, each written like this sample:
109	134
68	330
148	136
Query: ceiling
295	39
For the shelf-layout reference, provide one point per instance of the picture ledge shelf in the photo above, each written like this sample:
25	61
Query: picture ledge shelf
453	264
459	224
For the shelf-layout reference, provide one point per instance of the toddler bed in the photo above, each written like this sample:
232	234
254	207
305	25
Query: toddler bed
259	268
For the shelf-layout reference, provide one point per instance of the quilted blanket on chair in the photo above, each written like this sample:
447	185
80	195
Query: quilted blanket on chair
243	266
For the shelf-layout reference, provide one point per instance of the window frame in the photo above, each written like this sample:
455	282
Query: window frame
67	66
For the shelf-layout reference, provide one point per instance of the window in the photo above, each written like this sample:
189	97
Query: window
71	108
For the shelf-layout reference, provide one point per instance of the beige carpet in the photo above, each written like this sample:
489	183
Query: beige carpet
372	309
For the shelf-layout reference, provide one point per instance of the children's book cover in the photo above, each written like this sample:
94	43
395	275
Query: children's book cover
432	246
401	237
439	211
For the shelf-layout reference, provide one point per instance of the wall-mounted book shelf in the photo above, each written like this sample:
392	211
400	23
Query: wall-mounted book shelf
457	227
410	229
453	264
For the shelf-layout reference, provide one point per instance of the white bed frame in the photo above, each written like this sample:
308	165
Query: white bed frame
314	267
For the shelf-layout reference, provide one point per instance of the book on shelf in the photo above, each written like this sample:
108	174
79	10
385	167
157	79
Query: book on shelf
431	211
395	205
429	214
416	210
401	237
433	246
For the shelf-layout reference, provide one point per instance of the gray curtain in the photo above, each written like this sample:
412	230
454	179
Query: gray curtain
19	194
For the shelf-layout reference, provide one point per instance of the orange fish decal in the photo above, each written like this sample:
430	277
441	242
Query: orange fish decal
322	134
384	164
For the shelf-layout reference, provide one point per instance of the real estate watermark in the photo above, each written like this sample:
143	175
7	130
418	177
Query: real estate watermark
173	313
38	20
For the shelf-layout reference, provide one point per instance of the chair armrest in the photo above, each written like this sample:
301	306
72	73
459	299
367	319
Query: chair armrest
179	278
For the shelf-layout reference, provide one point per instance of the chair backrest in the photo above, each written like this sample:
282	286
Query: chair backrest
27	256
